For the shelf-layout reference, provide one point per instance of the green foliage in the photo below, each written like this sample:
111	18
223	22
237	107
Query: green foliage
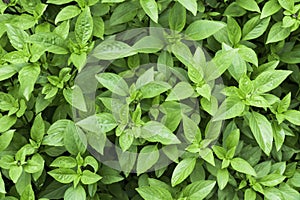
234	96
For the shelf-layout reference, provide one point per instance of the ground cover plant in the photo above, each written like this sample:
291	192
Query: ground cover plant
149	99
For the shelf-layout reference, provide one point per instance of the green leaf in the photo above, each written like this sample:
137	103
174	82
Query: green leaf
279	135
77	193
292	116
278	33
91	161
74	139
145	78
183	170
89	177
15	173
28	76
269	80
2	185
271	180
7	71
230	108
191	130
79	60
56	132
270	8
148	44
255	27
98	27
198	190
114	83
273	194
111	49
66	13
242	166
286	4
183	53
250	194
147	157
156	132
97	141
64	162
38	129
222	178
5	139
250	5
232	140
63	175
284	103
17	37
190	5
112	1
177	17
50	41
248	55
150	8
6	122
154	193
234	30
59	2
262	131
35	164
182	90
126	139
102	122
8	103
207	155
201	29
84	26
123	13
75	97
219	64
28	193
288	192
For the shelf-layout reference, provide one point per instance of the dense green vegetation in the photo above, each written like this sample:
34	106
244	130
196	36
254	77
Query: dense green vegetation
149	99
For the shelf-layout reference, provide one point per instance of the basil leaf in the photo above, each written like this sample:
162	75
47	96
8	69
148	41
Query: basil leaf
201	29
242	166
262	131
183	170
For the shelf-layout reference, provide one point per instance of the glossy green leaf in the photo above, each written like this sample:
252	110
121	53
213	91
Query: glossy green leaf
201	29
89	177
255	27
293	116
190	5
250	5
28	76
182	170
156	132
262	131
150	8
154	193
148	156
177	17
63	175
66	13
269	80
278	33
199	189
182	90
77	193
242	166
270	8
114	83
84	26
